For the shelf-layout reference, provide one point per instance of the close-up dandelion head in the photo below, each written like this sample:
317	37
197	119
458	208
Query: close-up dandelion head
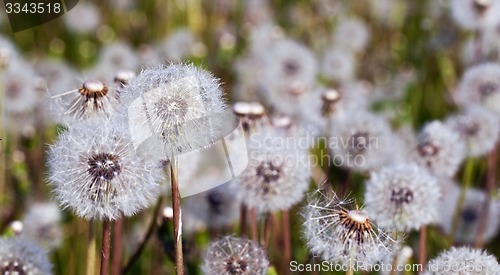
230	256
339	231
95	171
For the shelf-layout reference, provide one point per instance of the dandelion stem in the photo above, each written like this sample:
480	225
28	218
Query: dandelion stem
469	168
253	225
349	271
422	246
395	259
490	184
142	245
117	246
243	221
266	230
91	255
478	46
176	206
106	246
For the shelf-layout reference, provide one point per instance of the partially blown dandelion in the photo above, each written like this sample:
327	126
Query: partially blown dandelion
341	233
234	256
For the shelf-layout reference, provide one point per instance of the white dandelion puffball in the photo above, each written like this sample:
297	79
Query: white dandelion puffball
177	108
463	261
42	225
231	255
338	64
402	197
91	99
277	175
360	141
118	56
95	171
19	256
341	233
352	34
478	127
467	226
20	88
481	85
475	14
214	208
8	52
83	18
440	149
178	45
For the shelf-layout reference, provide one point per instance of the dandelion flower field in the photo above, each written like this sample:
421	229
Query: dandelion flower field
252	137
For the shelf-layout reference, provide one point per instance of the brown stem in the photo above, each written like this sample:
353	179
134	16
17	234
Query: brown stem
116	263
287	241
266	230
490	184
253	225
243	221
106	246
422	247
176	205
478	47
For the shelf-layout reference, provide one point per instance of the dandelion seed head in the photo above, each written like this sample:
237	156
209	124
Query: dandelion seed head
83	18
178	45
178	104
463	261
95	171
338	64
440	149
234	256
361	142
277	175
214	208
466	229
481	85
122	77
402	197
21	90
19	256
41	224
478	127
341	232
352	34
475	14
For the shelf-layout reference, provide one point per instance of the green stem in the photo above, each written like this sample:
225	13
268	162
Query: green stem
91	248
467	181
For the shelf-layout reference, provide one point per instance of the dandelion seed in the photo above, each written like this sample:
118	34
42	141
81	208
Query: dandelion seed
342	233
41	224
277	175
96	172
481	85
463	261
440	149
402	197
466	229
234	256
19	256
